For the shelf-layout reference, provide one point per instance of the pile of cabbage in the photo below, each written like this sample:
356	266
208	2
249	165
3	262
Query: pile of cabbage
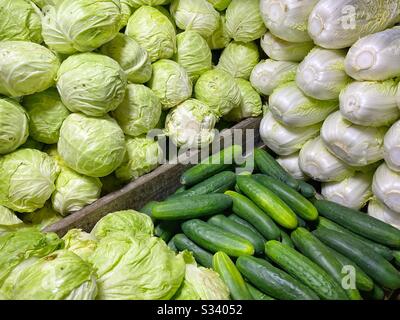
83	82
333	113
120	259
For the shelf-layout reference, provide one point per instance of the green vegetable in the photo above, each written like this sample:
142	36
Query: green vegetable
80	242
273	281
257	294
28	177
268	202
202	256
166	229
215	239
247	210
304	270
91	146
220	38
14	126
191	207
231	276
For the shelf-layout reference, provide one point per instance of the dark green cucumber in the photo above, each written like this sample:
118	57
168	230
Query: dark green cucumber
377	293
316	251
202	256
377	267
248	210
257	294
231	276
268	201
171	245
192	207
396	255
215	239
360	223
285	239
378	248
211	166
306	189
304	270
147	209
363	281
244	223
269	166
180	190
219	183
166	229
299	204
273	281
229	225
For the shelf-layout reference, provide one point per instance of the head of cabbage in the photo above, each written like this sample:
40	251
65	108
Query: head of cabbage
71	26
28	179
91	83
139	112
41	218
14	126
142	156
133	59
80	242
46	115
220	38
26	68
91	146
153	31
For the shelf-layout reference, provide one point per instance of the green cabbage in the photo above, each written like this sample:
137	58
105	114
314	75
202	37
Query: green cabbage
201	283
42	218
219	38
19	21
220	4
28	178
170	82
239	59
153	31
191	124
250	106
91	83
126	12
136	224
195	15
8	218
142	156
61	275
138	3
71	26
218	89
193	53
133	59
46	115
80	242
33	144
136	269
139	112
243	20
14	126
26	68
91	146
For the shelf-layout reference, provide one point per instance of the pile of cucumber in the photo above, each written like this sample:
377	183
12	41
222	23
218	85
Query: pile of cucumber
269	237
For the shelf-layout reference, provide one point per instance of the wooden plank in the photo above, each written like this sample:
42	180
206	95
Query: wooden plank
156	185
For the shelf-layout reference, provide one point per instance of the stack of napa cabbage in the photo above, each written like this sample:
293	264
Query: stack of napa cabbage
82	83
334	97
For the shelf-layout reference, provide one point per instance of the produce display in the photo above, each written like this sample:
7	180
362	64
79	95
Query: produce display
90	88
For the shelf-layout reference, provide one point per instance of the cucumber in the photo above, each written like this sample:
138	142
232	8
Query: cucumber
360	223
202	256
231	276
257	294
269	166
268	201
304	270
317	252
193	207
377	293
244	223
299	204
273	281
248	210
219	183
212	165
363	281
377	267
306	189
147	209
166	229
285	239
301	222
378	248
215	239
171	245
396	255
180	190
229	225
